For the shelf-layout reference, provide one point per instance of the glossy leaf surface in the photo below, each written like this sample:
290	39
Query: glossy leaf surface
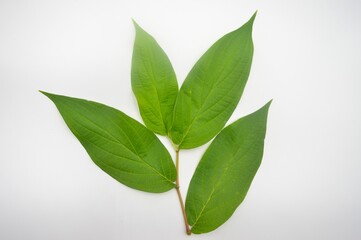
154	82
213	89
118	144
225	172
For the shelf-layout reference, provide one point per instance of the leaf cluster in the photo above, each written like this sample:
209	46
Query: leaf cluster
190	116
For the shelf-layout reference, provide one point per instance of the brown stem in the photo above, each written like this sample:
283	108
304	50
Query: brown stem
188	230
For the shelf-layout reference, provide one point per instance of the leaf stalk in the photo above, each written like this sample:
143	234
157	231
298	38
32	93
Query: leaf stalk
188	230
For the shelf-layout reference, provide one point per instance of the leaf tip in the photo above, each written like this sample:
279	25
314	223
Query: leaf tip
49	95
269	102
136	25
267	105
138	29
45	93
249	24
254	14
251	20
134	22
265	109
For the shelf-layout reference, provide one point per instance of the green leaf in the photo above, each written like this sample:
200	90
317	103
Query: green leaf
225	172
118	144
154	82
213	89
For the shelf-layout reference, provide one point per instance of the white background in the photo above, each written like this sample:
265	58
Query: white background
307	58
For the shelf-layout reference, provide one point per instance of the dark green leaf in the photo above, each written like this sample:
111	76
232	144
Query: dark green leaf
213	89
154	82
118	144
225	172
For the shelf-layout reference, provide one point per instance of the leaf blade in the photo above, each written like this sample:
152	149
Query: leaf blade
213	89
225	172
118	144
154	82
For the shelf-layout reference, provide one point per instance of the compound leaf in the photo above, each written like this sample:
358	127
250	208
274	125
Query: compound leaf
225	172
119	145
154	82
212	89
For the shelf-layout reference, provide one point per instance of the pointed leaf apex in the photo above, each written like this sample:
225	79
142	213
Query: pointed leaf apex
269	103
266	106
139	30
136	25
251	20
45	93
264	110
255	14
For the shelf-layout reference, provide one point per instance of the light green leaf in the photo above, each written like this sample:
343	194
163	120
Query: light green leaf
213	89
225	172
154	82
118	144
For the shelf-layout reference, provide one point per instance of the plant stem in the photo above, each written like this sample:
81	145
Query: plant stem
188	231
